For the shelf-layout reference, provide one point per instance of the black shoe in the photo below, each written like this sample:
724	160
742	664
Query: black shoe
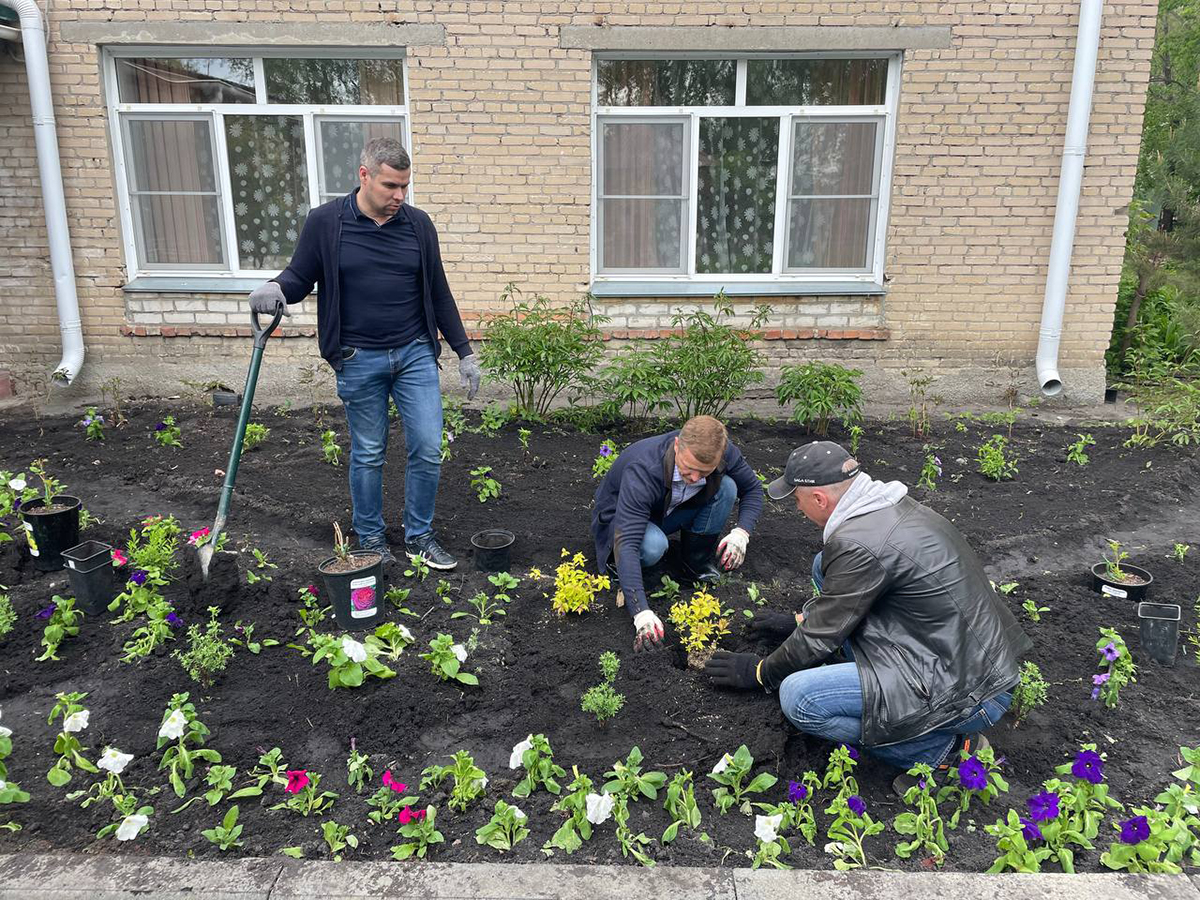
426	545
971	743
699	561
382	549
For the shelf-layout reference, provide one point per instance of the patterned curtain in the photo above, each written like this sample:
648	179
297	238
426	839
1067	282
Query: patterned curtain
735	228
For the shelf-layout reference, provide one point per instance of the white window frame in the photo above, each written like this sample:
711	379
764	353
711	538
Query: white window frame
311	114
885	114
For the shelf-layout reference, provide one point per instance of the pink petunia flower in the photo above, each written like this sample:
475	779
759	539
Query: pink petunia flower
197	536
398	786
119	558
297	780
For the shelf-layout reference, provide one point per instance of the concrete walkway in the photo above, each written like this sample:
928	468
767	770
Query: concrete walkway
73	877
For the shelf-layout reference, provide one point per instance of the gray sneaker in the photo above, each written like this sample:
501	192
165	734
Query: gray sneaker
382	549
426	545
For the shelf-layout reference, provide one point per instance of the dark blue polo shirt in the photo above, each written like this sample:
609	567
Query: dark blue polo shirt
380	281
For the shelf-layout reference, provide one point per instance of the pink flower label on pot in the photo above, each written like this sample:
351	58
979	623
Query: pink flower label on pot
362	597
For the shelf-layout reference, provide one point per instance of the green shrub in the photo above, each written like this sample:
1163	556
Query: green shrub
993	461
633	384
821	391
8	615
542	350
710	364
208	652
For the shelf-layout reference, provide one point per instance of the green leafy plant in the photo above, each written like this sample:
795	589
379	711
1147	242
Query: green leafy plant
1077	452
491	420
10	791
1029	694
270	768
338	838
304	794
63	624
66	746
839	773
602	700
604	459
1117	665
350	661
523	436
680	804
993	460
976	775
51	486
931	470
226	834
1146	843
483	484
918	392
851	826
1178	552
505	829
627	779
331	451
707	361
536	757
245	638
1016	855
446	658
631	844
208	653
469	780
167	433
8	615
261	566
856	433
820	392
575	588
924	824
219	780
1033	610
633	384
358	768
421	833
578	826
390	639
254	436
181	725
540	349
155	631
92	424
1112	564
387	801
418	568
730	772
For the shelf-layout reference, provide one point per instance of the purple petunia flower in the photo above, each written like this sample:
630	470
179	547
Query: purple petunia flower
1030	830
16	503
853	753
1088	766
606	449
48	611
1095	693
173	620
1101	678
856	804
1044	806
1135	830
138	577
797	791
161	426
972	774
1110	651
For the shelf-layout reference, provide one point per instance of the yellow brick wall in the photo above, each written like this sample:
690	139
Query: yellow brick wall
501	143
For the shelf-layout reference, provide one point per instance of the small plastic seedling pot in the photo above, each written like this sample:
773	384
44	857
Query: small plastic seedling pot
90	569
357	594
493	548
49	534
1121	590
1159	631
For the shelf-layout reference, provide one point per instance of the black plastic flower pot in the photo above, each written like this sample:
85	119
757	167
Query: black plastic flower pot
1159	631
1122	590
93	582
356	588
52	531
492	549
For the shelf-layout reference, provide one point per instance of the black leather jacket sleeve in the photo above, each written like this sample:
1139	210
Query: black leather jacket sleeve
854	579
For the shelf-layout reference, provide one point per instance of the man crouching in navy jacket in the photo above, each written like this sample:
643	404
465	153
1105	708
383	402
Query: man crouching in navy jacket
684	481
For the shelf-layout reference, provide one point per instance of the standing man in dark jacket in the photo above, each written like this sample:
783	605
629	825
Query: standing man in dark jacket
382	298
684	481
933	653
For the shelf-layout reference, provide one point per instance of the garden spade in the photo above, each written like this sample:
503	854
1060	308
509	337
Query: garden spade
235	454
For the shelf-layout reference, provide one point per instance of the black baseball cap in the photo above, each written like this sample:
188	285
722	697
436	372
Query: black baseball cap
812	465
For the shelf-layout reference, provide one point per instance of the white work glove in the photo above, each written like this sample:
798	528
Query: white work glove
266	298
732	550
468	370
649	628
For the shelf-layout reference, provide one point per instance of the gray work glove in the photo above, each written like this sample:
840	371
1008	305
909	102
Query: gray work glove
468	370
266	298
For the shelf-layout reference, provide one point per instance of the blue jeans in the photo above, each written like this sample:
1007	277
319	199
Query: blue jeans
707	519
826	701
409	375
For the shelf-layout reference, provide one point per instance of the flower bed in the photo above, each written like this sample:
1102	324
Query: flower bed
1041	529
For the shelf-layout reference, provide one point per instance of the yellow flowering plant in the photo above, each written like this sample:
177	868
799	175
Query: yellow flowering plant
701	623
574	587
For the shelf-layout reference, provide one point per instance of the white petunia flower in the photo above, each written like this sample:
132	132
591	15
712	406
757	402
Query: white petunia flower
17	484
766	828
114	760
514	760
460	652
516	812
5	732
722	764
174	726
599	808
3	784
353	649
76	721
833	848
483	782
405	633
131	827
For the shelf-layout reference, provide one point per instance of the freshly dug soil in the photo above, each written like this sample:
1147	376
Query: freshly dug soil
1044	530
355	563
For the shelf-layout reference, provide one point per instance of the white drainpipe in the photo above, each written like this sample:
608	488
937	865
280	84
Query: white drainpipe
1087	44
37	70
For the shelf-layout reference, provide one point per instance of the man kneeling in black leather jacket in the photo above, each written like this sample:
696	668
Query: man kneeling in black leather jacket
933	653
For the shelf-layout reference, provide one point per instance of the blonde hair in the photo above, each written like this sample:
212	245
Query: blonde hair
704	437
